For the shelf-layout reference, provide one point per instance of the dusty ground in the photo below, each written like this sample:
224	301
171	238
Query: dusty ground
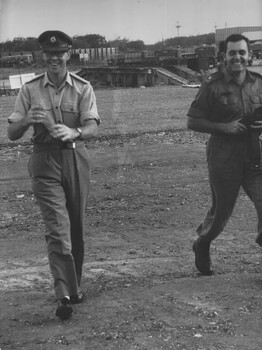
149	192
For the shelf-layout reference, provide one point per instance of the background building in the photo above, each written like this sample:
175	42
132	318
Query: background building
252	33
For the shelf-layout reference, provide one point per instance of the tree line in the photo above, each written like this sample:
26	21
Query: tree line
123	44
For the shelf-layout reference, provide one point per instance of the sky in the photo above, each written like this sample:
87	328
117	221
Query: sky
147	20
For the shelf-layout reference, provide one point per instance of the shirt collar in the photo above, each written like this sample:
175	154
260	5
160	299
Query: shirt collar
229	77
68	80
249	76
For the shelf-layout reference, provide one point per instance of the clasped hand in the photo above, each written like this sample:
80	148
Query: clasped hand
63	132
235	127
58	131
40	116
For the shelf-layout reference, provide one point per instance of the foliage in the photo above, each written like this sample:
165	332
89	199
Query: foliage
118	42
185	41
20	45
88	41
31	44
123	44
137	45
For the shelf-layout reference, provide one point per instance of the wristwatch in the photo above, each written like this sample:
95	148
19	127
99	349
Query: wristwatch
79	132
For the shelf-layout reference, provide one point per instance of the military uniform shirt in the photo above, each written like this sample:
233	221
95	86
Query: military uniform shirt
222	99
72	104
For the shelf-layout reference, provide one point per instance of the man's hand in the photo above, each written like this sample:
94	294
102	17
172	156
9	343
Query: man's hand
40	116
64	133
204	125
234	128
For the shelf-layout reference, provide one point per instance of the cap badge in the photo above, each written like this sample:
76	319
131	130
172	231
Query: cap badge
53	39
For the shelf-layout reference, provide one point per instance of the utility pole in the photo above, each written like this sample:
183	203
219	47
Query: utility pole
163	41
177	27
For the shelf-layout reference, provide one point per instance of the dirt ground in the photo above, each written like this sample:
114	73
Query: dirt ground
149	192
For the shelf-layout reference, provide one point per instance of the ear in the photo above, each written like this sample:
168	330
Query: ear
69	54
250	55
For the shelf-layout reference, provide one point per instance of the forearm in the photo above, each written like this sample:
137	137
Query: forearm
206	126
89	129
17	129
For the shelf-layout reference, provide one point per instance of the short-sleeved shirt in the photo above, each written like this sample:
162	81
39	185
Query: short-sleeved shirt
73	104
222	99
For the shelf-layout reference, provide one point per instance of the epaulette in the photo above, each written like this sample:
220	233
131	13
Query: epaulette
35	78
77	77
214	76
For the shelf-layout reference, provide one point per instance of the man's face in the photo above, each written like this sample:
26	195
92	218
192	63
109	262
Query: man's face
237	56
56	61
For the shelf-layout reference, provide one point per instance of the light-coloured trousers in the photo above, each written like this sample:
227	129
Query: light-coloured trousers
61	183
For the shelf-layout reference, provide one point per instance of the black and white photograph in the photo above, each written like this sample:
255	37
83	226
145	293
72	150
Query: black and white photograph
131	174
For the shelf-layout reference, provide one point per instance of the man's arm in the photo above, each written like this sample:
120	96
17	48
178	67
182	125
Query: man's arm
204	125
200	111
89	119
17	129
18	125
64	133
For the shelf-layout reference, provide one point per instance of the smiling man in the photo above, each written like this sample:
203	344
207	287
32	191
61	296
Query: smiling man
61	108
228	107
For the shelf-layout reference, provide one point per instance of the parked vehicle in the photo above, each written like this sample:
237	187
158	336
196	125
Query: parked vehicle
257	49
16	60
164	57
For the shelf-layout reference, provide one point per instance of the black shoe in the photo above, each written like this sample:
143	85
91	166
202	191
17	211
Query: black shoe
64	309
202	257
78	298
259	240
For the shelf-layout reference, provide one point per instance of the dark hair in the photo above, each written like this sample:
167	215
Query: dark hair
234	38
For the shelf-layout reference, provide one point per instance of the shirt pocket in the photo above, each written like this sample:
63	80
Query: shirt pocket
44	105
71	115
227	100
256	106
226	106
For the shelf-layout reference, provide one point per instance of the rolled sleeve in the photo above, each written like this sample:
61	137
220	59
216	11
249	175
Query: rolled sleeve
22	105
197	111
199	107
88	106
15	117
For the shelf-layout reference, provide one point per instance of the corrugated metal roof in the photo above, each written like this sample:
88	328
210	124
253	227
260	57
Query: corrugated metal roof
253	36
223	33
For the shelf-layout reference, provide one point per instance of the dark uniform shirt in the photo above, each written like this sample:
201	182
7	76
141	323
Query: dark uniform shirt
222	99
72	104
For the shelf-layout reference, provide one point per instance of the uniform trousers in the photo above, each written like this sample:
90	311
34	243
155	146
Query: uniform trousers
61	183
229	170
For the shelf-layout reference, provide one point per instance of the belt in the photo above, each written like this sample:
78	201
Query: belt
57	146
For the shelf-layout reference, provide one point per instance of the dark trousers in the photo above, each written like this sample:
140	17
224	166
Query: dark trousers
228	167
61	182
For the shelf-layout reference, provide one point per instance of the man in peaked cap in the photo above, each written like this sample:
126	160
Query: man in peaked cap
61	109
54	40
